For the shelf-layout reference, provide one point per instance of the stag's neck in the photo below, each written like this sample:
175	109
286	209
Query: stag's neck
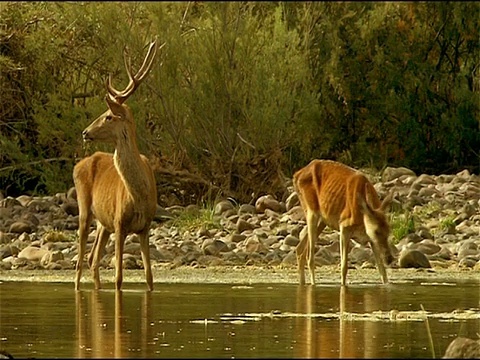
130	167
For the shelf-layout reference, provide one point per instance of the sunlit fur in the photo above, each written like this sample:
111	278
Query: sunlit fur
118	190
335	195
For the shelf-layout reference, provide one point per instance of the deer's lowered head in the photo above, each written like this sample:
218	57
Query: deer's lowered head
377	226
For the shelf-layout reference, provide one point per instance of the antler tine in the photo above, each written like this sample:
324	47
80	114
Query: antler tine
134	81
147	62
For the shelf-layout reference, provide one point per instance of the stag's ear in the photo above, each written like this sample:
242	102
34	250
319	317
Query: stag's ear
387	201
116	108
366	209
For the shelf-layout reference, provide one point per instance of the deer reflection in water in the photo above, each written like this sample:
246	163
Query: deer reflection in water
97	338
352	340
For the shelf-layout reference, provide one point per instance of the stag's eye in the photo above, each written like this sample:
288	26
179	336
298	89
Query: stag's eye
108	118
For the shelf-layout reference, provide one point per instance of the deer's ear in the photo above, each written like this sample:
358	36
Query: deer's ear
116	108
387	201
365	207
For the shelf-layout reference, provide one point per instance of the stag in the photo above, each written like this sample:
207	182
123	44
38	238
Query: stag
336	195
118	190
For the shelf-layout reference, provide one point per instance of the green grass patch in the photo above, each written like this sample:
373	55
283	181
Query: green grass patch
402	224
447	222
194	218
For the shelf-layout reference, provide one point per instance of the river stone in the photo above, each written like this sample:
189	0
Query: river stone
291	240
427	192
468	262
463	348
31	218
391	173
247	209
253	245
360	254
292	201
223	206
236	238
21	226
443	254
51	257
413	259
5	251
324	257
9	202
70	207
296	213
214	247
32	253
24	199
5	238
268	202
428	247
243	225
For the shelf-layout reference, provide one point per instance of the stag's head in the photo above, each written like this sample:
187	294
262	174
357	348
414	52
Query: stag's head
378	228
118	120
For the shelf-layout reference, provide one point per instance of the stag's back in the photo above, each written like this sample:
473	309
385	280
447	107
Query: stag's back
332	190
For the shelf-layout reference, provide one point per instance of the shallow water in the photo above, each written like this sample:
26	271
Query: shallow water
51	320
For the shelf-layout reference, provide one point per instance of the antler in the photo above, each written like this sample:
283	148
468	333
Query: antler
122	96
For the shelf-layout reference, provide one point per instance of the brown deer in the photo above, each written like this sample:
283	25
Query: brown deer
336	195
119	189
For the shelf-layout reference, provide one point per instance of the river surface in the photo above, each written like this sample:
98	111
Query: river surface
405	319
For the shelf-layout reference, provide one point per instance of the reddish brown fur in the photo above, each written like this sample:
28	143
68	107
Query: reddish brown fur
335	195
119	189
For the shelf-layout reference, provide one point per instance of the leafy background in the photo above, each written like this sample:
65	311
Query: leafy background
243	93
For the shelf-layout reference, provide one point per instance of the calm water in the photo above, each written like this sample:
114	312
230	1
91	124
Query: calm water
51	320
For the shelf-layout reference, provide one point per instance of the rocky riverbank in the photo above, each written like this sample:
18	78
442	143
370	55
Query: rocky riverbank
435	226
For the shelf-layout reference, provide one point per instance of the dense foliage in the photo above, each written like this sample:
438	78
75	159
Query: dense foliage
243	93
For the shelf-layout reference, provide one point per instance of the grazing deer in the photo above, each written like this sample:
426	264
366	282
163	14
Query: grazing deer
117	189
336	195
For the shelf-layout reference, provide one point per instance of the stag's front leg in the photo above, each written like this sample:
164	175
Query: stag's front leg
83	225
379	261
119	245
96	252
313	221
344	242
145	249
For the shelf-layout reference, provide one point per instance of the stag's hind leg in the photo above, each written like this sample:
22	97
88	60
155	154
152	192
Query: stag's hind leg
302	255
96	253
145	249
304	250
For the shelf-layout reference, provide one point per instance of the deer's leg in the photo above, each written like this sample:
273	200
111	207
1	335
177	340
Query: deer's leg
313	221
145	249
379	261
119	244
85	219
94	245
302	256
344	241
96	253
